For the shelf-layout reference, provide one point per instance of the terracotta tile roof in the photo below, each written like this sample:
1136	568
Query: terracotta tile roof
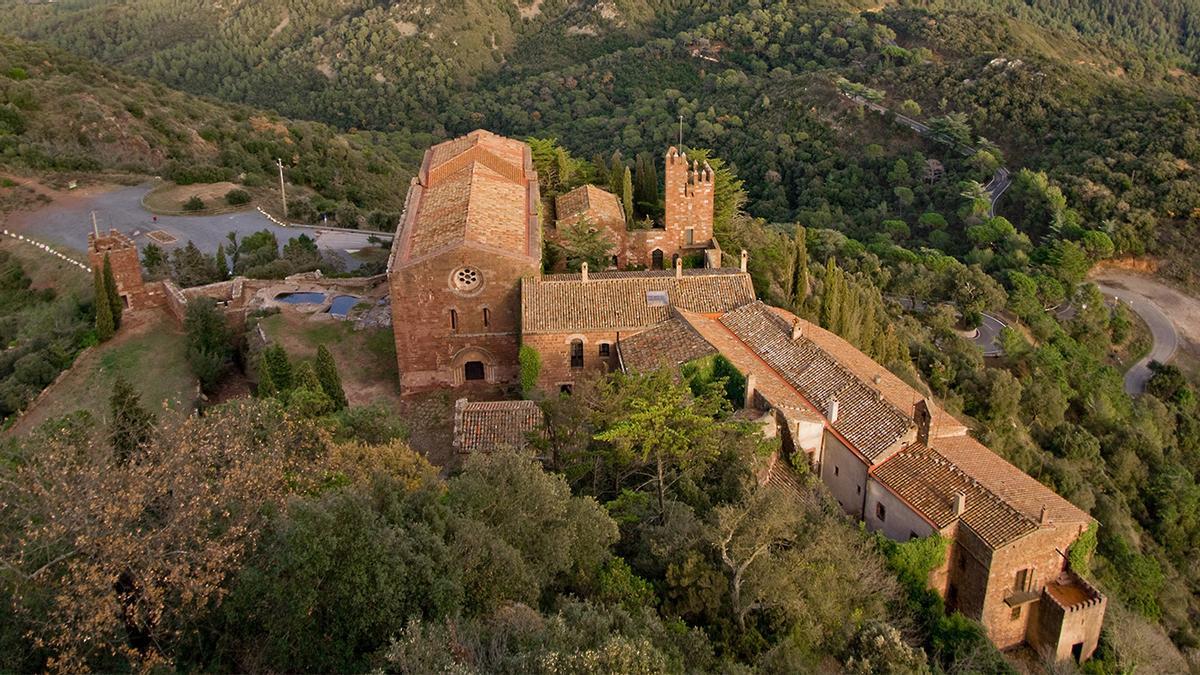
1017	488
599	206
480	190
670	344
929	483
565	303
484	426
866	419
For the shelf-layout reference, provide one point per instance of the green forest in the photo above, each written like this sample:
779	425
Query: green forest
1091	104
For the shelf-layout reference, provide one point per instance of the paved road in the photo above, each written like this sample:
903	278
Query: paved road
69	225
996	187
1142	296
986	337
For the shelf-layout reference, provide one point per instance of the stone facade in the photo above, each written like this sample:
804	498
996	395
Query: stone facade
468	235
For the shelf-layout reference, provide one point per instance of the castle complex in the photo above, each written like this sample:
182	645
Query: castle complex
468	293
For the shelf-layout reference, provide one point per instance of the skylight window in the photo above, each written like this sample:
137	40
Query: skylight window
656	298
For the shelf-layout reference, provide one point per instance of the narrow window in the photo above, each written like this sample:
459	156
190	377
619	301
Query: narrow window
880	511
1021	580
1016	613
576	353
453	319
689	236
486	317
616	262
656	259
836	470
605	350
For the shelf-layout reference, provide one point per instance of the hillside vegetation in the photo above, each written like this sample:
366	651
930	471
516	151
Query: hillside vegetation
62	113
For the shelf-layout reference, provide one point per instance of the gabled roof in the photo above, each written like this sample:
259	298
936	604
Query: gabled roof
484	426
929	483
479	190
599	206
671	343
565	303
871	423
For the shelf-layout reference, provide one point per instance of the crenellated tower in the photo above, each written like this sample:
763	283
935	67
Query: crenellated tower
689	200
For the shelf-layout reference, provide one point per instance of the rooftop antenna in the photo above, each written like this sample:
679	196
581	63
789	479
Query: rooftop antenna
95	227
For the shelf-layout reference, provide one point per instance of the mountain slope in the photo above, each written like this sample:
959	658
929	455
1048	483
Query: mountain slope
59	112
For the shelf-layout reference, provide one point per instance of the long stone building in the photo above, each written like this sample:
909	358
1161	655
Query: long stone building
468	293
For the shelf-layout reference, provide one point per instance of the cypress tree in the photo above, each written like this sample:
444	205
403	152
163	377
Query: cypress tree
627	195
305	377
830	300
266	385
331	382
281	369
562	167
616	169
800	279
104	317
131	423
222	267
110	289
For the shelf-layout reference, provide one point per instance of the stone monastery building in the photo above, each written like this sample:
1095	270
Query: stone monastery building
467	293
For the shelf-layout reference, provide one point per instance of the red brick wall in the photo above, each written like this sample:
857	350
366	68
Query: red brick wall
430	353
1039	552
555	350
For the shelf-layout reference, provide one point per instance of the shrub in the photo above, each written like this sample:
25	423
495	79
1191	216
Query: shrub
194	204
237	197
531	367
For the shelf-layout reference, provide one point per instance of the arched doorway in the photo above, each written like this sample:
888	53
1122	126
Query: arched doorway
656	259
472	365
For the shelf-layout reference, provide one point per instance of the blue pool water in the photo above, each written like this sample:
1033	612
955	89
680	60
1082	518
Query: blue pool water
300	298
341	304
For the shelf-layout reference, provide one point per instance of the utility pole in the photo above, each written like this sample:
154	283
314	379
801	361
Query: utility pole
282	190
95	227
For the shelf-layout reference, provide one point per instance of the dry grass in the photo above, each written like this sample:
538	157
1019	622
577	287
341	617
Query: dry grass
169	197
149	351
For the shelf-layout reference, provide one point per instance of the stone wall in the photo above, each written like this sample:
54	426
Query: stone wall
555	350
122	255
440	326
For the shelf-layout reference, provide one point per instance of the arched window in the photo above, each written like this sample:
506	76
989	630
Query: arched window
453	319
576	353
486	317
473	370
656	259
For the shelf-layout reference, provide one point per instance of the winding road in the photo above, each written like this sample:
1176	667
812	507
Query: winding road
1166	311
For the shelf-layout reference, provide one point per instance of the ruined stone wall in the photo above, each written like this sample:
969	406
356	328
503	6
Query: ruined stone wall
122	255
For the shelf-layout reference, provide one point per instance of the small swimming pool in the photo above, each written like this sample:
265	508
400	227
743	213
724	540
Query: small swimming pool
342	304
301	298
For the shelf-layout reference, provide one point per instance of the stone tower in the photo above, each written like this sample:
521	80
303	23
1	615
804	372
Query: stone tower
127	268
689	201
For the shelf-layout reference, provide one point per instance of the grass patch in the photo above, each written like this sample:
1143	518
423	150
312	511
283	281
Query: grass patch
366	359
150	355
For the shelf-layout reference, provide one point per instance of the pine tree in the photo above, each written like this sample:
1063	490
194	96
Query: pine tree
800	280
104	317
276	360
266	385
627	195
110	289
222	267
131	423
331	382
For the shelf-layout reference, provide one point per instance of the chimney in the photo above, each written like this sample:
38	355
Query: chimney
797	331
679	267
583	271
745	257
832	410
1043	518
751	386
960	504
